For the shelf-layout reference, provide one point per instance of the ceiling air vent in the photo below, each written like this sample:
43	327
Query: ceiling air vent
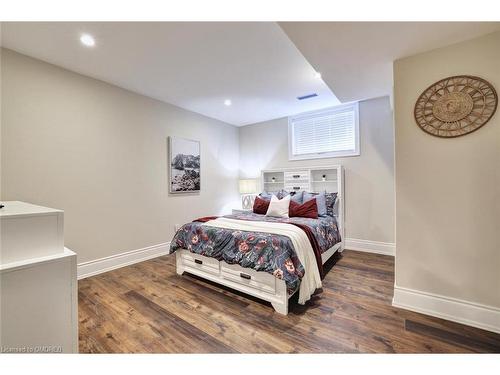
308	96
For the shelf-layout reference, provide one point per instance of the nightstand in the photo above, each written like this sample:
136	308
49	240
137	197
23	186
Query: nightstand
242	211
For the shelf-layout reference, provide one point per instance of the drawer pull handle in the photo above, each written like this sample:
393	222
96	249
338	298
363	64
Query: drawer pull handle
296	176
296	188
245	276
197	261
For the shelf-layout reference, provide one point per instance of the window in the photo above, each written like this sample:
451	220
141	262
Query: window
327	133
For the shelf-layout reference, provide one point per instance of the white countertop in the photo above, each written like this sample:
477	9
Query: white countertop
35	261
18	208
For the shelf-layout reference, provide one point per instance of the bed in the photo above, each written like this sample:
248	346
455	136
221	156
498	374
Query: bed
267	257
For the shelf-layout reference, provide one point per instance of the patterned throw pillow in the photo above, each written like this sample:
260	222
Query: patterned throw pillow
330	203
282	194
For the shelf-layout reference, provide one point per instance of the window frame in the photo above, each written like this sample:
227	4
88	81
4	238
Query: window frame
329	154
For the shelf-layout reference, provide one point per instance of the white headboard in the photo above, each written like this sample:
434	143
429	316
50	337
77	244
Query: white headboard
329	178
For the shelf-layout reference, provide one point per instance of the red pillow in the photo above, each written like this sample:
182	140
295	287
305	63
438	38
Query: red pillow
260	206
308	209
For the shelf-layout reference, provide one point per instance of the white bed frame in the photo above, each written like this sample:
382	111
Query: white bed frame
262	284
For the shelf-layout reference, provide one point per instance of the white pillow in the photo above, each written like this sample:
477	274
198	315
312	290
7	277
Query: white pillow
278	207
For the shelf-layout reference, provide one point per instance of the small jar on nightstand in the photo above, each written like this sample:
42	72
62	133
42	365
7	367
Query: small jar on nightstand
237	211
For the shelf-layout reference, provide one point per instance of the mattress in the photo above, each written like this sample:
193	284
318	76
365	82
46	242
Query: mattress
260	251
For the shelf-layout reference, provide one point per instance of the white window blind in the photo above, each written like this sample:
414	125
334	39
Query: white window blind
333	132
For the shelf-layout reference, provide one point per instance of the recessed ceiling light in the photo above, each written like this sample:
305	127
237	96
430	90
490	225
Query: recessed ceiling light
318	75
227	102
87	40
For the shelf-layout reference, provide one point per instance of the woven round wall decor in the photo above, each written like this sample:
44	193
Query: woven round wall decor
455	106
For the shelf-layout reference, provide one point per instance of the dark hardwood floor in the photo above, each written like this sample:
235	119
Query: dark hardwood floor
147	308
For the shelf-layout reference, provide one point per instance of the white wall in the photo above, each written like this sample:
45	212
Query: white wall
369	178
448	190
100	153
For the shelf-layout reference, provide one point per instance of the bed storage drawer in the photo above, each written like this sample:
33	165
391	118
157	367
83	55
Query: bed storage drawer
200	262
262	281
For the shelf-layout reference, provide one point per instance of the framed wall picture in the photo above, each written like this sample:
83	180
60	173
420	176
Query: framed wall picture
184	165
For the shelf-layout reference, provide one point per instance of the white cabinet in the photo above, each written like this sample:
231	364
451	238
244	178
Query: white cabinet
38	286
30	231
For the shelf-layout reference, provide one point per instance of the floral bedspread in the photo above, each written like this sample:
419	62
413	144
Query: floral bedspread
325	228
265	252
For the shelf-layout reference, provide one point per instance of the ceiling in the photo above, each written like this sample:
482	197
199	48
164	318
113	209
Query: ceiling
355	58
196	66
262	67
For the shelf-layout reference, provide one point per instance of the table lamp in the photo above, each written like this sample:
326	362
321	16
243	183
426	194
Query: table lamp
248	189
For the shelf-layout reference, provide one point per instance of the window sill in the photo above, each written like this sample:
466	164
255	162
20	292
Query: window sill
324	156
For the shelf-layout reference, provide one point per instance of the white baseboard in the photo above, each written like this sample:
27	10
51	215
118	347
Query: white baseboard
112	262
456	310
385	248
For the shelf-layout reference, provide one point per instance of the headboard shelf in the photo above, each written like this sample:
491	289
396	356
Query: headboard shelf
329	178
323	178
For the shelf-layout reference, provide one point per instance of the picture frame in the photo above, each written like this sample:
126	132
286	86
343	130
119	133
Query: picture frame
184	165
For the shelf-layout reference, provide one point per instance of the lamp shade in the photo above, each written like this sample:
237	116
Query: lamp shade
248	186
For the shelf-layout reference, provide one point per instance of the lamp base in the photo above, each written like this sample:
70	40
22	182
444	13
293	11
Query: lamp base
247	201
